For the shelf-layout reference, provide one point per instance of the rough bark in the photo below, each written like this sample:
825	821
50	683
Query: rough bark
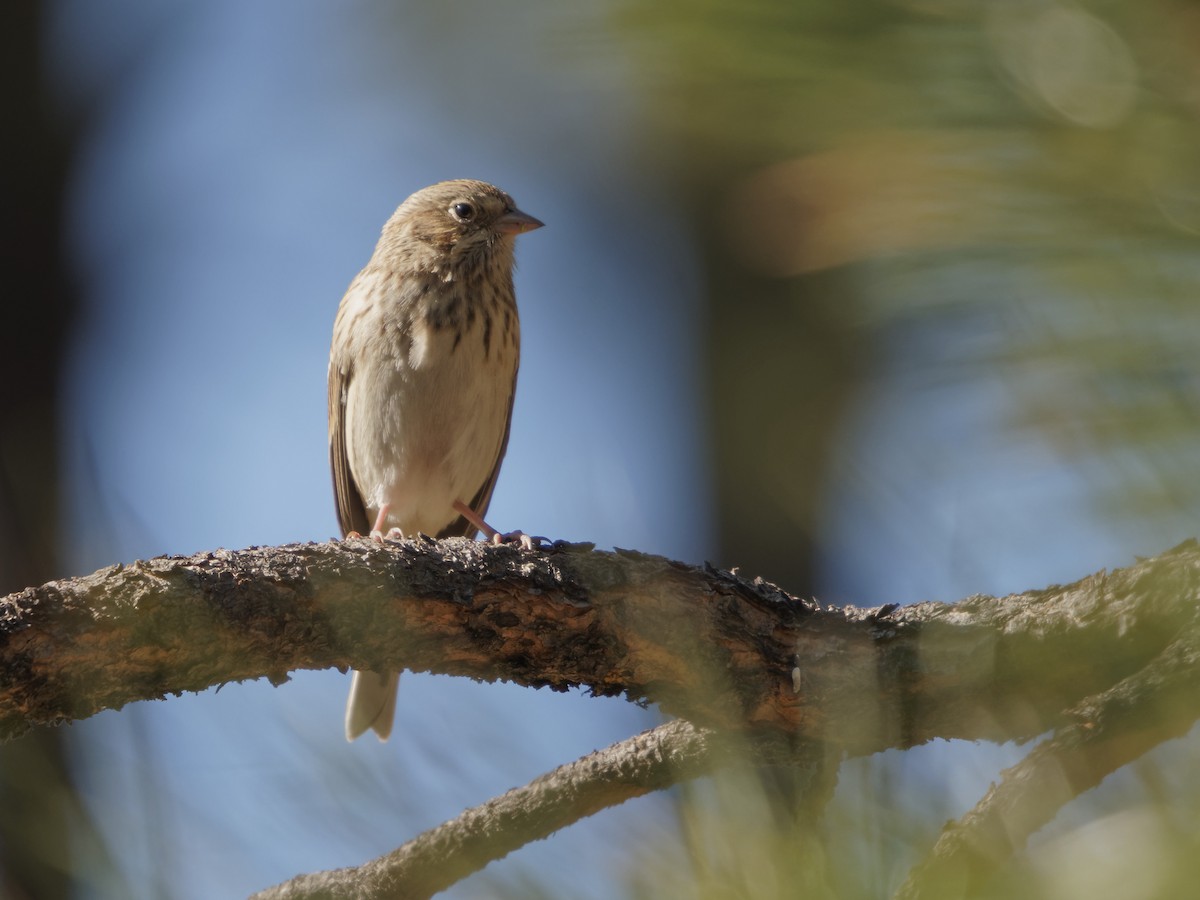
705	645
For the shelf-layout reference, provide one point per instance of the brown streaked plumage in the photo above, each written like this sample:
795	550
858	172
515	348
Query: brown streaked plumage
422	374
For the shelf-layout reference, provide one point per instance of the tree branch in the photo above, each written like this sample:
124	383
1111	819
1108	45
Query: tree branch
706	645
1109	661
450	852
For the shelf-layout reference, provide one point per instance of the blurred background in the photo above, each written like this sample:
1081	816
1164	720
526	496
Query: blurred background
885	302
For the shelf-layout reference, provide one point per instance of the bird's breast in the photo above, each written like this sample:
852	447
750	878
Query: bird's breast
428	413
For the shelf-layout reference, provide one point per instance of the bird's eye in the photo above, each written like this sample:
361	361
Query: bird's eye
464	212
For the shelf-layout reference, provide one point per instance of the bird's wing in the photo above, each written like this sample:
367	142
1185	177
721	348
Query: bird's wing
352	515
460	527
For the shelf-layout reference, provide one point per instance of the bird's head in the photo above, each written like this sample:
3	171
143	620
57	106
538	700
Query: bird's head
455	223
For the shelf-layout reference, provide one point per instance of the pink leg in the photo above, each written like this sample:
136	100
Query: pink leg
490	533
475	519
377	528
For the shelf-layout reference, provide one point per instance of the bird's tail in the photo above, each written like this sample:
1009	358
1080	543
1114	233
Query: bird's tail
372	704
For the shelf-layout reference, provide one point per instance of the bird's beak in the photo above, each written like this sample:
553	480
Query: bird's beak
517	222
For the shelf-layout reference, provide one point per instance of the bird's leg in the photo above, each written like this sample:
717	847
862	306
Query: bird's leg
377	528
475	519
490	533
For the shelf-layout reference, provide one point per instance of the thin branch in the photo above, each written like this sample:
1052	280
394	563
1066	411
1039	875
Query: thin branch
450	852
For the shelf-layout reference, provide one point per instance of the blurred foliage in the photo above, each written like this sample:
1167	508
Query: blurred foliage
1011	184
1004	193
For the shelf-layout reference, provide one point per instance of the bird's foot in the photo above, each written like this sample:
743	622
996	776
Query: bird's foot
527	541
377	533
490	534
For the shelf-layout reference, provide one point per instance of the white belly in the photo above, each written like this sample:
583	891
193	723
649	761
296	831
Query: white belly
425	428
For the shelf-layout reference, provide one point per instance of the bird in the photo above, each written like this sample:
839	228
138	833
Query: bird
422	376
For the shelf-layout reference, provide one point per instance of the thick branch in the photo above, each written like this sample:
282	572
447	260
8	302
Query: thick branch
705	645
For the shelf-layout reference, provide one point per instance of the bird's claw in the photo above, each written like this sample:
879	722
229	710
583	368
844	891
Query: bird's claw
527	541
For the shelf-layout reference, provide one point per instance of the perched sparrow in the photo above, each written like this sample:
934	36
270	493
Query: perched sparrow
421	379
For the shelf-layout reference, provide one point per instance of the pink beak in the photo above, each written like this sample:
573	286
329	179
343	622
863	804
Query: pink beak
517	222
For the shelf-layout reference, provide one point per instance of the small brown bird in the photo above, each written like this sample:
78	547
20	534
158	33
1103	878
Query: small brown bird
422	374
